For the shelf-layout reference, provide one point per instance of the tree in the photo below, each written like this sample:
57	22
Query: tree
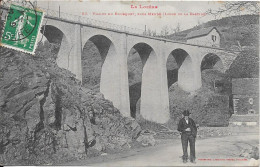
177	28
150	32
154	33
165	31
246	65
235	8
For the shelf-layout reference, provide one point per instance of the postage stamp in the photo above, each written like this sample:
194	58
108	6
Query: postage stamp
21	29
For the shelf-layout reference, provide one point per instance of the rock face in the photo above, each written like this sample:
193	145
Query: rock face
47	117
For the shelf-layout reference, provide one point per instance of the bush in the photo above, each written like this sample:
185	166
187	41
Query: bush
246	65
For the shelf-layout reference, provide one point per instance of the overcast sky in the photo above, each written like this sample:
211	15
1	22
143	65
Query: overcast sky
152	22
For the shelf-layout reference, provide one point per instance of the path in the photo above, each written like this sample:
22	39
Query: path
225	148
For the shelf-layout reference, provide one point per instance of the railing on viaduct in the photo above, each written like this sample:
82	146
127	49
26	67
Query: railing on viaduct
75	18
96	23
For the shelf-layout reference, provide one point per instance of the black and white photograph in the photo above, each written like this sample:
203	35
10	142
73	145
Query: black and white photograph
129	83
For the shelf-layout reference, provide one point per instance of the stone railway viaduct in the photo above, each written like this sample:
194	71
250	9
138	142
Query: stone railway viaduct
114	46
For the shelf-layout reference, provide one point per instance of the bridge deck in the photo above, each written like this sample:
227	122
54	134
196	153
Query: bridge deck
84	21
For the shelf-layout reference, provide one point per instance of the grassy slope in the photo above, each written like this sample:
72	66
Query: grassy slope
236	28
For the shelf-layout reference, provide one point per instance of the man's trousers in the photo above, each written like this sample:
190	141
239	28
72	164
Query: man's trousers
185	138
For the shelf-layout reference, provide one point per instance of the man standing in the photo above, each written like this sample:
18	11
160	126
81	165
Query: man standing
188	130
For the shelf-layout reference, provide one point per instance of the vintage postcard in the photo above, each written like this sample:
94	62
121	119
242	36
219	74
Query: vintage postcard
129	83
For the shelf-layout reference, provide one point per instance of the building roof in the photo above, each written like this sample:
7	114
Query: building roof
245	86
201	32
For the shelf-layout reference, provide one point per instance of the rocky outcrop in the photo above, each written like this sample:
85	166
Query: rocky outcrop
250	152
146	138
47	117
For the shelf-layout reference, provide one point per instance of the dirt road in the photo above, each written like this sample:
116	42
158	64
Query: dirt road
211	152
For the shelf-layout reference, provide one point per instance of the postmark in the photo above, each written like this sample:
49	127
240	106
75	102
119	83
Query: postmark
21	29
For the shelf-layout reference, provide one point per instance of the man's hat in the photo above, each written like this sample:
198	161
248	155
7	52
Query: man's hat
186	113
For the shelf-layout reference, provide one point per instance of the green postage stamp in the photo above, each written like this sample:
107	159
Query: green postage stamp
22	26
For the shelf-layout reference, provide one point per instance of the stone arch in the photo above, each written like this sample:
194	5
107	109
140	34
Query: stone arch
178	49
144	50
52	33
213	73
179	69
99	59
136	60
149	88
212	61
133	41
58	37
88	34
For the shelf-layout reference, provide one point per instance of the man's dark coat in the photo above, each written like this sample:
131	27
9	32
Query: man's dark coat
191	124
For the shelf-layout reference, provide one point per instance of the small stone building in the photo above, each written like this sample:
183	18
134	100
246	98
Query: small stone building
245	92
205	36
